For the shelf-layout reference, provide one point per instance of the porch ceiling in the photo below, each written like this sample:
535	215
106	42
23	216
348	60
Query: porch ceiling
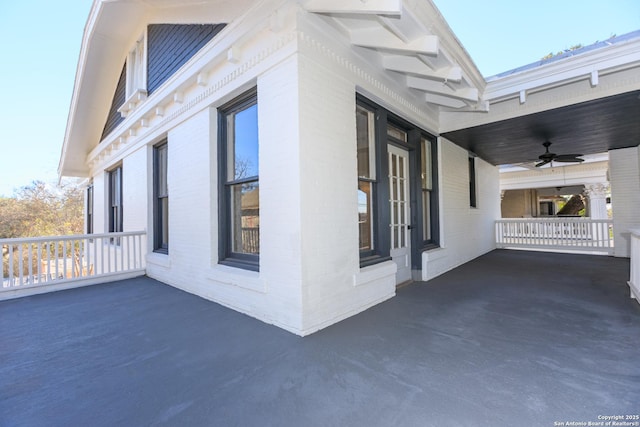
585	128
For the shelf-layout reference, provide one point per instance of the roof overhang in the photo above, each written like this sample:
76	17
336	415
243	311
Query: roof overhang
413	44
586	103
111	29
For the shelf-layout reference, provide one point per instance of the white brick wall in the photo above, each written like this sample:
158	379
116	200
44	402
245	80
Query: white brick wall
466	232
309	263
624	171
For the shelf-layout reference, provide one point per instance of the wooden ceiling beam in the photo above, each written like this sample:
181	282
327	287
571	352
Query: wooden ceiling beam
369	7
414	66
433	87
383	40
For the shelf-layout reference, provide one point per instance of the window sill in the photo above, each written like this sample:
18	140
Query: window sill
132	101
237	277
374	272
159	259
432	253
373	260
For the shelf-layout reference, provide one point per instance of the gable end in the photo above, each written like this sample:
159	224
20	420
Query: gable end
115	118
170	46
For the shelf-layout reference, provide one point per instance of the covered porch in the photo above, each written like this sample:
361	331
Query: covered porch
512	337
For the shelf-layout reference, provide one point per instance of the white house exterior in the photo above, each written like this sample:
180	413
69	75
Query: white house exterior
354	191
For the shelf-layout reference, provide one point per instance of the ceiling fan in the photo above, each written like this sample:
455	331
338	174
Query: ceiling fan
548	157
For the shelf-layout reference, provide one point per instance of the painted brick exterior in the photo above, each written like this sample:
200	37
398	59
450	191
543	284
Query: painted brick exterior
624	174
310	275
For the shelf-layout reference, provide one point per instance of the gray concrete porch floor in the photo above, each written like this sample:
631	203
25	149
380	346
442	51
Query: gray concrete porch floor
511	338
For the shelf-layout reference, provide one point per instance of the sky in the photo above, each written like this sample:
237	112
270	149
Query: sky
43	37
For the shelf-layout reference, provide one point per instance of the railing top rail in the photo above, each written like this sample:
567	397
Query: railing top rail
557	219
70	237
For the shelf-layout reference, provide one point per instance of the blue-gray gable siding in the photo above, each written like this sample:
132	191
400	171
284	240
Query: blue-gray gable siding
114	118
170	46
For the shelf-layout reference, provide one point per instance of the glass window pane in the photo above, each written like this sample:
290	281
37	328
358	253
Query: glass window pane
162	171
365	142
426	165
164	207
245	218
365	220
426	215
242	140
396	133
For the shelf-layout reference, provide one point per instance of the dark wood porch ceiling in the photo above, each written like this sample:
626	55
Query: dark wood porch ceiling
586	128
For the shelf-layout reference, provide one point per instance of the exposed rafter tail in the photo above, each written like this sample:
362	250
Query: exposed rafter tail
382	39
371	7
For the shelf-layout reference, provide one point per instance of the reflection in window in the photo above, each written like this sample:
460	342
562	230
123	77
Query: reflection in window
365	132
426	179
245	218
364	216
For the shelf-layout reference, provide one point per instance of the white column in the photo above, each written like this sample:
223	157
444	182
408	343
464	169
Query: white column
597	195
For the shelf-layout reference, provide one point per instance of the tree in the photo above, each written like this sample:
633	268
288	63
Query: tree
39	210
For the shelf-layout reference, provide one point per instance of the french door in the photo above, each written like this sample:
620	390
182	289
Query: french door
400	214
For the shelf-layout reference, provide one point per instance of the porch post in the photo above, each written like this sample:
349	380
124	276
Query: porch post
597	195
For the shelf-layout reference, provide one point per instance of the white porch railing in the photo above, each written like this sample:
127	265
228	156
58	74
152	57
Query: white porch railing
634	277
559	234
43	264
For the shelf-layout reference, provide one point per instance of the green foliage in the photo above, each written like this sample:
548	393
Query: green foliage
42	210
572	48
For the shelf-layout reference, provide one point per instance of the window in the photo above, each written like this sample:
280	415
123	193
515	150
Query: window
137	68
160	199
472	182
365	130
426	181
90	209
115	200
240	185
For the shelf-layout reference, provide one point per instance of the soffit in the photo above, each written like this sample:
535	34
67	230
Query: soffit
590	127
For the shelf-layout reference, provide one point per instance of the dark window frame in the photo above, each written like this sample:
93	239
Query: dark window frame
89	207
226	255
473	188
115	202
160	198
380	188
433	194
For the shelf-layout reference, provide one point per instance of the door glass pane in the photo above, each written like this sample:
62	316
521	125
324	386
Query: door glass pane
245	221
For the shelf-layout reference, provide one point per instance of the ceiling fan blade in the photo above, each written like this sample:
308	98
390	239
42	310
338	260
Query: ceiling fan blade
568	159
567	156
542	163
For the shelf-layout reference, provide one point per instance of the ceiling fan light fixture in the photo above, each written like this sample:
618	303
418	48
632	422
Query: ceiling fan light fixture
549	157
